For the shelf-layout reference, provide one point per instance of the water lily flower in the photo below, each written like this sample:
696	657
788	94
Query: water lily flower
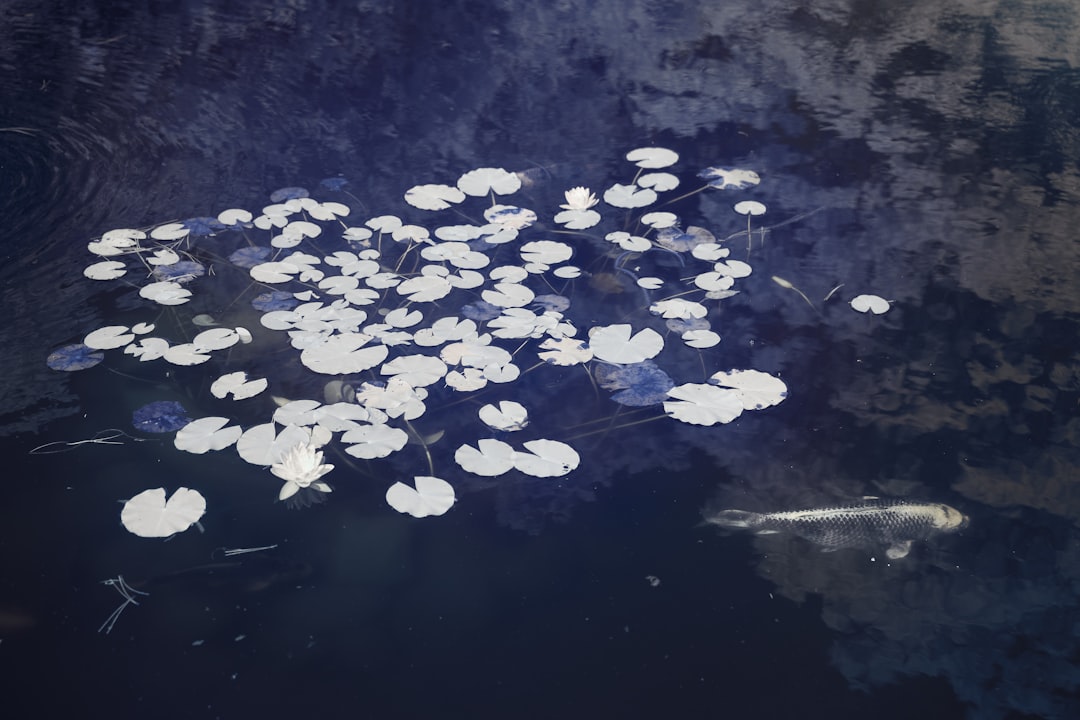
579	198
301	467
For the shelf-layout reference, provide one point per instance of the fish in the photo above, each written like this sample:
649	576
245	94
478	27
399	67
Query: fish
872	522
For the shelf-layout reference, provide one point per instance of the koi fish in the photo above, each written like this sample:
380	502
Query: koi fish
874	522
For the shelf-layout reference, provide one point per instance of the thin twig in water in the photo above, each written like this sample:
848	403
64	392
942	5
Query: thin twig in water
229	552
108	436
128	593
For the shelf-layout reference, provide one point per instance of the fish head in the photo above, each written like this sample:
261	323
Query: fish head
949	519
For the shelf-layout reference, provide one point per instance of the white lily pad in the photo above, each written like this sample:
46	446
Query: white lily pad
508	295
614	344
234	216
700	339
626	241
749	207
186	354
433	197
263	445
343	354
756	389
431	496
565	351
416	370
237	385
509	416
403	317
483	181
149	514
345	416
166	293
489	458
147	349
870	303
629	196
206	434
547	458
297	412
425	288
216	339
660	220
699	404
105	270
164	256
678	308
109	337
170	231
653	157
374	441
547	252
577	219
660	182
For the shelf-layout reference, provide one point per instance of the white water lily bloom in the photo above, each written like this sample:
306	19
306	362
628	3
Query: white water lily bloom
301	467
579	198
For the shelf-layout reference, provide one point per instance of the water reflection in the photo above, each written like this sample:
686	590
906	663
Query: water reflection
940	141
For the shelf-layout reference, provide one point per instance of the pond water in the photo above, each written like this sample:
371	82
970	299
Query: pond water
924	154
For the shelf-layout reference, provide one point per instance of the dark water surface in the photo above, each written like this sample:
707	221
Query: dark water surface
926	153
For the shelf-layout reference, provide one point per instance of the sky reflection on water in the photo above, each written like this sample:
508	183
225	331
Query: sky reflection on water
937	147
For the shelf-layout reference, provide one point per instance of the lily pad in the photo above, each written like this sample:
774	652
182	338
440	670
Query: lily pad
430	496
614	344
149	514
508	416
160	417
205	434
870	303
74	357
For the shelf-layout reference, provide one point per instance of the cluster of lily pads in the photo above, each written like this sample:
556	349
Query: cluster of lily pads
379	319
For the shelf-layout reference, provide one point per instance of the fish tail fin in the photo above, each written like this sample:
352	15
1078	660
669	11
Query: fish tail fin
734	518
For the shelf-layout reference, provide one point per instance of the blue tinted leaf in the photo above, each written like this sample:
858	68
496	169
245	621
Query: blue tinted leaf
641	384
554	303
160	417
677	240
481	311
249	257
74	357
180	272
334	183
680	325
202	226
274	300
288	193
